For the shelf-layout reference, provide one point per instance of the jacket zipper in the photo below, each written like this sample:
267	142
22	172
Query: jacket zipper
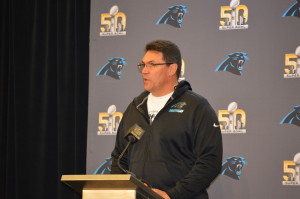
150	124
147	140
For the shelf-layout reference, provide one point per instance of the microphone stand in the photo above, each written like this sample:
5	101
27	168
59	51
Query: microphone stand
131	140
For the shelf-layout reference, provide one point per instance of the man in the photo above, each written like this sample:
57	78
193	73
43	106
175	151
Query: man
180	152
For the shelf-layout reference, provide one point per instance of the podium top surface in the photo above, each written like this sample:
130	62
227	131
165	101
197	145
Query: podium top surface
109	177
107	182
93	182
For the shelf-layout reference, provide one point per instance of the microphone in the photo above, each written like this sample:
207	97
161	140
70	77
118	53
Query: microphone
133	135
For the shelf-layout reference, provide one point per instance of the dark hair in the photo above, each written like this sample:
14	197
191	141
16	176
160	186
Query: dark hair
170	51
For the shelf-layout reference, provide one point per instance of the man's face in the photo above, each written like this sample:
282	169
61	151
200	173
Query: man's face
156	78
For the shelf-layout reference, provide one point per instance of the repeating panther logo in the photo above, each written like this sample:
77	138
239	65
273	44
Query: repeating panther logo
113	67
105	167
294	10
293	117
174	16
234	63
233	167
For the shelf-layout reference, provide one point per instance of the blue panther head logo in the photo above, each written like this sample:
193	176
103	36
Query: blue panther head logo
294	10
234	63
293	117
174	16
105	167
233	167
113	67
178	108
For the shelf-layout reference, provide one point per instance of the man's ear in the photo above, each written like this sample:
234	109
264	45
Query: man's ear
172	69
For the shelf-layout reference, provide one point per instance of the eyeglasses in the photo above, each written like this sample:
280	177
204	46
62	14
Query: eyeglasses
150	65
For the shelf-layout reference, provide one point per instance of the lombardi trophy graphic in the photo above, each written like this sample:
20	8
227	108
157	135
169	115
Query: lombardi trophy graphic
182	71
297	167
111	110
113	11
233	5
297	53
231	108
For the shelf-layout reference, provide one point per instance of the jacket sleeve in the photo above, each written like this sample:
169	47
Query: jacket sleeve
119	146
208	150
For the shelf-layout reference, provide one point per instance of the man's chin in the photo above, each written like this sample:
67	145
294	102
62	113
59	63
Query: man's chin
146	88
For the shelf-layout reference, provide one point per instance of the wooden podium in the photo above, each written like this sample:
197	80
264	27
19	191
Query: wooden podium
112	186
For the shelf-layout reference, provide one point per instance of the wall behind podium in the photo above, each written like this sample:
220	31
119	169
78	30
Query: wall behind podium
243	56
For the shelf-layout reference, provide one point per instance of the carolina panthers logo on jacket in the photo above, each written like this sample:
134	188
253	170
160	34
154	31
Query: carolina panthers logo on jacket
234	63
233	167
113	67
105	167
293	117
174	16
294	10
178	108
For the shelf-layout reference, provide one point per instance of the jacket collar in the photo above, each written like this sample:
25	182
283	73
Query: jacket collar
182	87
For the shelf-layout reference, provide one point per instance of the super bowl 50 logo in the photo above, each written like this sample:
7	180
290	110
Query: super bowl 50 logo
291	170
234	16
292	64
113	23
109	121
232	120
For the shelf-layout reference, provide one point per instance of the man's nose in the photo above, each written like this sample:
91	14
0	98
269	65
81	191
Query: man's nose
145	70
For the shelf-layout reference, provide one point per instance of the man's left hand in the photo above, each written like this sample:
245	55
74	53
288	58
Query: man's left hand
161	193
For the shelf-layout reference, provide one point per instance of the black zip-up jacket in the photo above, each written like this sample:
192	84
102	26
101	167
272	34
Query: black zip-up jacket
180	151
